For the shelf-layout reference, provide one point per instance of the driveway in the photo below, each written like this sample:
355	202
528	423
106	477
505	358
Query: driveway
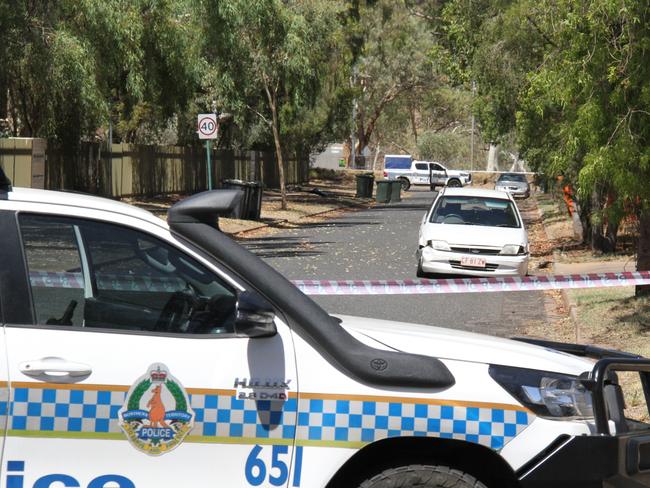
380	243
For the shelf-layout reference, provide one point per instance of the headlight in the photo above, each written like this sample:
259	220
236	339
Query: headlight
439	245
512	250
551	395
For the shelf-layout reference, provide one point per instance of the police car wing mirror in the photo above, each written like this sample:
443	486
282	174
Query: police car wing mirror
255	316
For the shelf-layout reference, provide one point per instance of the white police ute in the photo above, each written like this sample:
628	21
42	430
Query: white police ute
140	354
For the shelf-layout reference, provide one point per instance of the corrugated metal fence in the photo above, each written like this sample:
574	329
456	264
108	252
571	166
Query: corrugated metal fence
129	169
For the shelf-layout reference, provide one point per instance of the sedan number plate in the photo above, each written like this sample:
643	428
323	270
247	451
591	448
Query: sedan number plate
472	261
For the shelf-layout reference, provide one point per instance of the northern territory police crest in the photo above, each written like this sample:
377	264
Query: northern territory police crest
156	415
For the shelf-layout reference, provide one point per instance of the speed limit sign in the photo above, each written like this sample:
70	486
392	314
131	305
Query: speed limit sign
207	126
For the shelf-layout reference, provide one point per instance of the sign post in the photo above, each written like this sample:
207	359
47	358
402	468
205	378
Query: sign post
208	129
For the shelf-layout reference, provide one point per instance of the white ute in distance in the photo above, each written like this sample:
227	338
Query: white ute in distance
410	172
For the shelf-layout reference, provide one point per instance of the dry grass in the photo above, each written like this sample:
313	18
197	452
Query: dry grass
559	227
614	319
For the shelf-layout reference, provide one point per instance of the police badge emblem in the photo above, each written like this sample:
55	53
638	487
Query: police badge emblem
156	415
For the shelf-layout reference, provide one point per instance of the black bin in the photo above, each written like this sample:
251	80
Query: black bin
250	206
364	185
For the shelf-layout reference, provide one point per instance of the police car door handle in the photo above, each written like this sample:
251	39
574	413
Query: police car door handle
55	370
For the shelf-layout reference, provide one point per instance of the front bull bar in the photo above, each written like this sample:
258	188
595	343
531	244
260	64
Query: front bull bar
620	460
607	395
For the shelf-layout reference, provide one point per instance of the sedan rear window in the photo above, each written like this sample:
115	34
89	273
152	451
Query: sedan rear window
471	210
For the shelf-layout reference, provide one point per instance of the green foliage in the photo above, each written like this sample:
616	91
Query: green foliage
71	66
268	55
136	396
586	112
445	147
394	68
177	393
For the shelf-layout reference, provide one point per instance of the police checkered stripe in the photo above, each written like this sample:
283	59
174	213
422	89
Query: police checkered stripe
308	419
228	416
368	421
56	410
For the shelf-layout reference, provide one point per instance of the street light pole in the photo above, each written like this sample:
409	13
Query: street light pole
353	156
471	157
208	146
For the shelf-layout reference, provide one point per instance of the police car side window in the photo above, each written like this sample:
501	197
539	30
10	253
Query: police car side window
109	276
421	166
54	271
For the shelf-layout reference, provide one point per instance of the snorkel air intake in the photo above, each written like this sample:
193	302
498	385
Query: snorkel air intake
196	218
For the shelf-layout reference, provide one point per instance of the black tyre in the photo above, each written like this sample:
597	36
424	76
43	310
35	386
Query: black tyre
406	184
417	476
454	183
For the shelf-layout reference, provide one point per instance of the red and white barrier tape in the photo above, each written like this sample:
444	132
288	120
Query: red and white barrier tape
113	282
368	287
472	285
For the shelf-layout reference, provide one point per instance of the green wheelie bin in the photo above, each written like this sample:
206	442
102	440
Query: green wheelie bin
383	191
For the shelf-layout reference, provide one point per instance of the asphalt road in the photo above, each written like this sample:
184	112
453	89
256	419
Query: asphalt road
380	243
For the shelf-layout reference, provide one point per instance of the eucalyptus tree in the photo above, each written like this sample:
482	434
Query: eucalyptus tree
70	66
269	58
394	63
587	110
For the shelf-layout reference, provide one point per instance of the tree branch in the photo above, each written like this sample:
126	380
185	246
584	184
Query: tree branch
532	22
618	126
260	115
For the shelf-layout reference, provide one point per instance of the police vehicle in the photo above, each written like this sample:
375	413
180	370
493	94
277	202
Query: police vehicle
138	353
406	170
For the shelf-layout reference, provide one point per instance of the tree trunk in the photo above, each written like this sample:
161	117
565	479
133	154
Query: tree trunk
414	127
596	238
376	158
272	98
278	154
643	251
603	237
585	219
493	158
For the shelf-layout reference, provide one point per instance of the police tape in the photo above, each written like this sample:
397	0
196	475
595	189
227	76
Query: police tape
105	281
124	282
472	285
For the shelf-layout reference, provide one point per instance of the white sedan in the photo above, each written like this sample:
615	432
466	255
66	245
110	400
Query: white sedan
473	232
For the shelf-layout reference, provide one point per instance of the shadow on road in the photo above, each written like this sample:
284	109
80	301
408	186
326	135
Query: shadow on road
338	223
285	247
411	206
